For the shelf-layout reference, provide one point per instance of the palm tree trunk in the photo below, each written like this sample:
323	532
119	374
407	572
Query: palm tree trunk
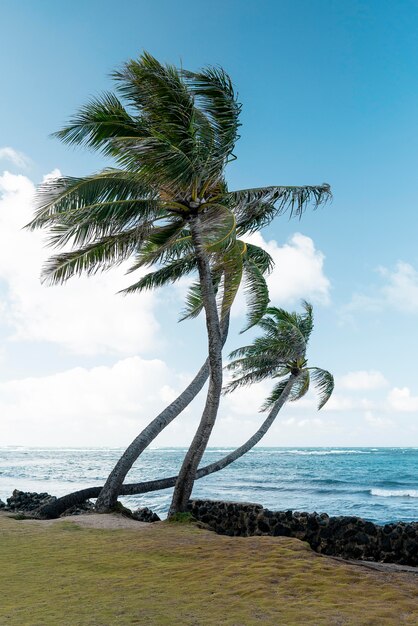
59	506
187	474
110	492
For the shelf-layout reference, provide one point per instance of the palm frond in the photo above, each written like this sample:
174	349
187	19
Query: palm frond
98	122
157	161
247	379
99	256
305	321
232	266
324	384
260	257
68	196
301	386
106	221
152	253
256	292
255	208
162	97
216	98
194	302
164	276
287	325
275	395
217	226
167	234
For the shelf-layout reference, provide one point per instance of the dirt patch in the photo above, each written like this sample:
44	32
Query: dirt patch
108	521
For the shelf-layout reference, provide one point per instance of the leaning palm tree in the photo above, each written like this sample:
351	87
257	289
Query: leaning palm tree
171	141
279	353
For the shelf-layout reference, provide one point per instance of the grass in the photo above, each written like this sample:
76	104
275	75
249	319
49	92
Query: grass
175	574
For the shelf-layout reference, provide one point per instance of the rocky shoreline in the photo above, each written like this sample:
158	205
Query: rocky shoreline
28	502
347	537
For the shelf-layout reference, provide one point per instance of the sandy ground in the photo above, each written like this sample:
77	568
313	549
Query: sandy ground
111	521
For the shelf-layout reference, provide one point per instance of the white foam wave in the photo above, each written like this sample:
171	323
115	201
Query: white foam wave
395	493
324	452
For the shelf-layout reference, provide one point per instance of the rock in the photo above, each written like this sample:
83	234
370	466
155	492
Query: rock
81	509
347	537
146	515
26	501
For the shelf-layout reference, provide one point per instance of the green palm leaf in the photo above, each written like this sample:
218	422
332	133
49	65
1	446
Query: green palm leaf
215	95
275	395
165	275
300	387
260	257
66	197
162	97
256	292
218	227
278	352
232	275
255	208
100	121
99	256
324	384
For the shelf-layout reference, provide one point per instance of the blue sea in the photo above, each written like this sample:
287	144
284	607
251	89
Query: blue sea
379	484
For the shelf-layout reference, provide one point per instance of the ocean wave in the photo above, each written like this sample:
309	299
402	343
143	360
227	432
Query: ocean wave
325	452
394	493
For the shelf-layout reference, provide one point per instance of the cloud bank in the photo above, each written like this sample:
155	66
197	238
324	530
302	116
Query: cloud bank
85	316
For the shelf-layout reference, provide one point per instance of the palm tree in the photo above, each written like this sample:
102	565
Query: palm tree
279	353
167	202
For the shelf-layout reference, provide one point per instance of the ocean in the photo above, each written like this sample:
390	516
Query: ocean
378	484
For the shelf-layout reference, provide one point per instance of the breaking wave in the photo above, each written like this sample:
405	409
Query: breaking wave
395	493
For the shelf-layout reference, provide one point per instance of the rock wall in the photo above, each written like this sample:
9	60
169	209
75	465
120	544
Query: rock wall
347	537
27	502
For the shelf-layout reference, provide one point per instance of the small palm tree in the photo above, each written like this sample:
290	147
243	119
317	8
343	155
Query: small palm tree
167	202
281	353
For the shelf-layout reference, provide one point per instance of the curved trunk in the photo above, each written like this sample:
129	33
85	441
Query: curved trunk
111	490
62	504
187	474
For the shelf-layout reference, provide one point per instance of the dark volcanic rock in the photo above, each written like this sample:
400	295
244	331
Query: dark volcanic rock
26	501
81	509
347	537
145	515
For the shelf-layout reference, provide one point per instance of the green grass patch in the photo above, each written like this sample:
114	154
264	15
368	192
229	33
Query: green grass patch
181	518
176	574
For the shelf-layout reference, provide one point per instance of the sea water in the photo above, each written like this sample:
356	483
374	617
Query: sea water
378	484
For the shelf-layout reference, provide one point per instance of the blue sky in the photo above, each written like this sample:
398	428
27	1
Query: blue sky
330	93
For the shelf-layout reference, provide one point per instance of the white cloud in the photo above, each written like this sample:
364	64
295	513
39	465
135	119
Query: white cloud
298	273
399	292
85	315
13	156
362	380
377	422
400	399
298	270
401	288
98	406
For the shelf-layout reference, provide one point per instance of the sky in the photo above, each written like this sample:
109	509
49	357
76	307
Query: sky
330	94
